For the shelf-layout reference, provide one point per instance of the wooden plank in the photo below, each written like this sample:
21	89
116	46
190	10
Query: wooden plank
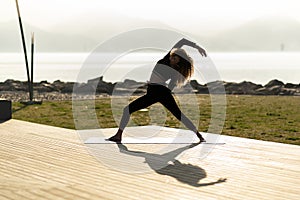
44	162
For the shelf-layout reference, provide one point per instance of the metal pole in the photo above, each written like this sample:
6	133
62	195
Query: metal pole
32	51
24	48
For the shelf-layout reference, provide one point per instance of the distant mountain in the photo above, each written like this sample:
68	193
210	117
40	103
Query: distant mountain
45	41
85	33
265	34
100	26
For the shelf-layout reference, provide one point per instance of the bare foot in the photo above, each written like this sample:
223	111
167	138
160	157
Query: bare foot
200	137
115	138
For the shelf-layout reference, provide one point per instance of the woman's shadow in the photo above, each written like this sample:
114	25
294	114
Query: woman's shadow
166	164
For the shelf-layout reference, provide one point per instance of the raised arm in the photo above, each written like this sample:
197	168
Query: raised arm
184	41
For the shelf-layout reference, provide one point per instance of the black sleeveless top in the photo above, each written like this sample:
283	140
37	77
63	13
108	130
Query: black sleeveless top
165	72
163	68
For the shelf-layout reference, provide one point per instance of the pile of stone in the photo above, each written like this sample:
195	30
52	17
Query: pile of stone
64	90
274	87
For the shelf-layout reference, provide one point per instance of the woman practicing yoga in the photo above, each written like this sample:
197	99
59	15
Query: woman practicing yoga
176	67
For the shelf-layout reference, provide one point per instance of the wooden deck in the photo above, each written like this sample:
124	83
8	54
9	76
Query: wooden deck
44	162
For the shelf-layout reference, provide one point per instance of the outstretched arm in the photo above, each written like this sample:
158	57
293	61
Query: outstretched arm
184	41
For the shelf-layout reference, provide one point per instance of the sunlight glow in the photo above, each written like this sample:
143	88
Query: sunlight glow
176	13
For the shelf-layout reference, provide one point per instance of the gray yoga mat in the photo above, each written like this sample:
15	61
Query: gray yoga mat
153	140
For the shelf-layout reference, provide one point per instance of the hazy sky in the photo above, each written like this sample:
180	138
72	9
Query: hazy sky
210	14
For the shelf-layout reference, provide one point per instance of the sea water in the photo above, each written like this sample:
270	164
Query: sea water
257	67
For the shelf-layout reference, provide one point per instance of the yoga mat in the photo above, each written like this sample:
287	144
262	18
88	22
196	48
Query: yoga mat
154	140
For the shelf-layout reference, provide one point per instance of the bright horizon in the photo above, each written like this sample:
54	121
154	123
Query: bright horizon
192	16
258	68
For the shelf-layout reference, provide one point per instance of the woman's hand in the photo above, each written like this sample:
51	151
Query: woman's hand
184	41
201	51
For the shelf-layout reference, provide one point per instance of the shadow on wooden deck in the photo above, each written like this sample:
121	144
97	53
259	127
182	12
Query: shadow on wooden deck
185	173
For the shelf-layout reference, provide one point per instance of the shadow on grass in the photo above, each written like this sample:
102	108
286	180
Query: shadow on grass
166	164
20	108
26	104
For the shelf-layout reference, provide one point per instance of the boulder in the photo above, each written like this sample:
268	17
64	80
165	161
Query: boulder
44	86
194	84
202	89
84	89
98	86
216	87
288	91
261	91
291	85
13	85
101	86
244	87
130	84
95	81
274	82
274	90
58	85
67	87
104	87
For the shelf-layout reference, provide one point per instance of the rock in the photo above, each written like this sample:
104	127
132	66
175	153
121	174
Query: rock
288	91
4	87
261	91
290	85
274	82
194	84
10	81
13	85
97	86
244	87
200	89
130	84
95	81
44	86
67	87
184	90
140	91
103	87
274	90
216	87
46	82
84	89
58	85
64	87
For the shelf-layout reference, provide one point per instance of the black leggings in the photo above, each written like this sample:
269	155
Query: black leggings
156	93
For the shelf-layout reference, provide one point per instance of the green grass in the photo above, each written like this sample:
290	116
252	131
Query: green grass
271	118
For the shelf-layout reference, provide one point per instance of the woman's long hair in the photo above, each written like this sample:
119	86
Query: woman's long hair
185	66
